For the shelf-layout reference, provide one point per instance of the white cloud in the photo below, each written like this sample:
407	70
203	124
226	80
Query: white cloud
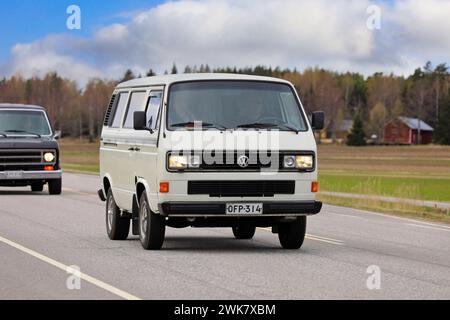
288	33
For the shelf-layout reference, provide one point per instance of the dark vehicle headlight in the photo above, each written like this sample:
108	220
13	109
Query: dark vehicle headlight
49	157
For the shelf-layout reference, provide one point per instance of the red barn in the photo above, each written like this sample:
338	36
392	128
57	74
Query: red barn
405	130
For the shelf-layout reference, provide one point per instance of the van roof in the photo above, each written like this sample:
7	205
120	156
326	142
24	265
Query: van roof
169	79
20	106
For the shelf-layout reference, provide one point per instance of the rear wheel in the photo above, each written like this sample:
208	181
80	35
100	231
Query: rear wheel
244	232
117	227
152	227
37	187
292	234
55	186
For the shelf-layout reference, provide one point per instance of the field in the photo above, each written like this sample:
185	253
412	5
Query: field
411	172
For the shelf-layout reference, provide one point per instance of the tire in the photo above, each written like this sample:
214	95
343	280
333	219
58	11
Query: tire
55	186
244	232
37	187
152	227
292	234
117	227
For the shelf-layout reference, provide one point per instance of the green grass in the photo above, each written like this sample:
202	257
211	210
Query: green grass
83	168
392	208
432	187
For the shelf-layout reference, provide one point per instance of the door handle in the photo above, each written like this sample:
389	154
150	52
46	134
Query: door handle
131	149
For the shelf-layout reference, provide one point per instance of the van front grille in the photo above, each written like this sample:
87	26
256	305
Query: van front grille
241	188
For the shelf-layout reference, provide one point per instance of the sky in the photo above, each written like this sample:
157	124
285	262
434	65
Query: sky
395	36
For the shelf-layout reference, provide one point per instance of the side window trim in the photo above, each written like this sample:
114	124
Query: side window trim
118	97
125	115
150	96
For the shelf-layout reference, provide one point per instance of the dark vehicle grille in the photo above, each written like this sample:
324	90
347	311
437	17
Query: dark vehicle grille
241	188
14	159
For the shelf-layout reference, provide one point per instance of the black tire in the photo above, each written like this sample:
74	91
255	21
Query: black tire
152	227
117	227
244	232
55	186
292	234
37	187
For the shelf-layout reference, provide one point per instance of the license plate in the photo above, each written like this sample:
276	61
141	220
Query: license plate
13	174
244	208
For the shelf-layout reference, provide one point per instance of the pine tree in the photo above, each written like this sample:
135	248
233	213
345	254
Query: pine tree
357	136
442	133
174	69
151	73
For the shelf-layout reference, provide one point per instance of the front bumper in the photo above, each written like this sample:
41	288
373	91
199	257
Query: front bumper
30	175
217	209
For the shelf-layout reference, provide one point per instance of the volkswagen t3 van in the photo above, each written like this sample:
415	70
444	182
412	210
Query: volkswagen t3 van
208	150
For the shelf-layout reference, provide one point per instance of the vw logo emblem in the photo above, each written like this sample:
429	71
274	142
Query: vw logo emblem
242	161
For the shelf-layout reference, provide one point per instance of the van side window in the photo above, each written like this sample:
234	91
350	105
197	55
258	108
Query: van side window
120	107
153	106
136	104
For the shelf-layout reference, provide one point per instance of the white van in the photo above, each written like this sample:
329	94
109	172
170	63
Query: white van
208	150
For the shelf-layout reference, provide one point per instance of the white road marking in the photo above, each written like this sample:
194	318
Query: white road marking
316	238
427	227
59	265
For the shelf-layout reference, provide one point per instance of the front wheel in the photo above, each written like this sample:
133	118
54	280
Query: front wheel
244	232
152	227
292	234
117	227
55	186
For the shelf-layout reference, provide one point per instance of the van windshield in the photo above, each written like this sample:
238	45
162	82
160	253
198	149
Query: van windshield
23	122
234	105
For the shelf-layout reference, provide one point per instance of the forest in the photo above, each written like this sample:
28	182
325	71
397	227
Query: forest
376	99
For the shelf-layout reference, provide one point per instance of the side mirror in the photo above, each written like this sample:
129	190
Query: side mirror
57	135
318	120
139	120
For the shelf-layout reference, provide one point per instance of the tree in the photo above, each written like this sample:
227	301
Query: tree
378	117
442	133
357	137
129	75
150	73
174	69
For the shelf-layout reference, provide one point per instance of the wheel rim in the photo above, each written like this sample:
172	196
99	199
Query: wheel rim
143	220
110	213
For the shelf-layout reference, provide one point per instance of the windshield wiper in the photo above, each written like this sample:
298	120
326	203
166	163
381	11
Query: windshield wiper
3	135
268	125
23	131
204	124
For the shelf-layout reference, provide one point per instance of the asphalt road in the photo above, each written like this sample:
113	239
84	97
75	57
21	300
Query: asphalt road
40	235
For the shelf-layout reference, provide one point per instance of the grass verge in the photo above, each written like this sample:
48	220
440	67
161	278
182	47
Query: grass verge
396	209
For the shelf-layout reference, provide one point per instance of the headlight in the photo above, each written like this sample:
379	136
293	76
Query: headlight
49	157
289	161
183	162
305	162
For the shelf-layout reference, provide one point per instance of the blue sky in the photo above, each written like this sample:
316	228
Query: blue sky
27	20
142	34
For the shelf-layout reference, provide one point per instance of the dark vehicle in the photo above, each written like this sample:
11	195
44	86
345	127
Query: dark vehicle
29	152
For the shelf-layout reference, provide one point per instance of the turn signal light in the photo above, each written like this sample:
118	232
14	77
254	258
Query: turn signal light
49	168
314	186
164	187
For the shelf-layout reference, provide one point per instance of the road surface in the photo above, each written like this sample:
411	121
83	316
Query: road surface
41	235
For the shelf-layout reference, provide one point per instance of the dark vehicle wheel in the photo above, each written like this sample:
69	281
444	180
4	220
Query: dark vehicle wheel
117	227
55	186
292	234
244	232
37	187
152	227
